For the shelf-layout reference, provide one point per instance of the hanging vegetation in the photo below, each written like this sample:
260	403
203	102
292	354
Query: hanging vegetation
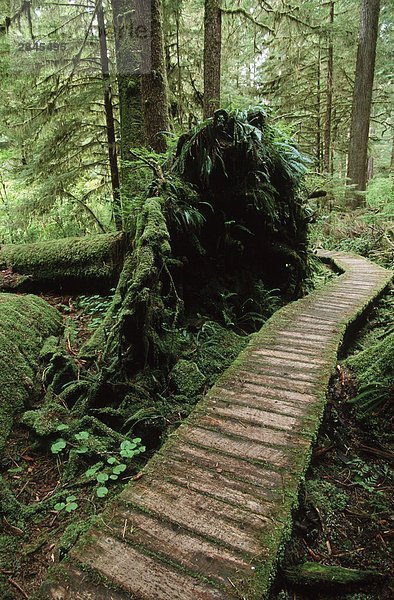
247	174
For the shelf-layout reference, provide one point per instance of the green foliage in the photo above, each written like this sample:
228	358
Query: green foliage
374	367
51	112
87	445
365	476
96	307
380	196
367	231
105	472
69	505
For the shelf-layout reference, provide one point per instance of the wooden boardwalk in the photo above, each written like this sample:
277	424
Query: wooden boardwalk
209	516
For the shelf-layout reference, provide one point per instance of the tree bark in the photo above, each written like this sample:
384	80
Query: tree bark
318	111
154	86
362	97
127	73
212	56
109	118
329	92
66	265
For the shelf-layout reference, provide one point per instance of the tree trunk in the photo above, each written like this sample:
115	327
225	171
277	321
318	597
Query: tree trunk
154	86
212	56
315	574
124	14
318	111
362	97
330	70
109	118
66	265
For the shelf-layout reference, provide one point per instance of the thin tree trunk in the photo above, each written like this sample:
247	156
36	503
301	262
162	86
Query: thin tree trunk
109	117
329	92
154	86
179	67
318	111
212	56
362	97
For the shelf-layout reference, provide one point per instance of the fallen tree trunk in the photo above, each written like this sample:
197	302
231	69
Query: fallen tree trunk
313	574
67	265
25	322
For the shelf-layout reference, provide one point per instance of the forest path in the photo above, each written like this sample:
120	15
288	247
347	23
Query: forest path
208	518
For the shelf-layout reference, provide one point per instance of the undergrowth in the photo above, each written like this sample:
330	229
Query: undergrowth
367	230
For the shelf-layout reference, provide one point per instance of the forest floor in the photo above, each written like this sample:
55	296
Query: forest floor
34	475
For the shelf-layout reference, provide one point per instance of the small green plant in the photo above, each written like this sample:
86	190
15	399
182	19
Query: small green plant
110	470
105	471
78	441
96	307
58	446
69	505
365	476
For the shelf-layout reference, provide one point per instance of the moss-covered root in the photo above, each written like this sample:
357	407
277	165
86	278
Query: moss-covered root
314	574
25	322
129	326
68	264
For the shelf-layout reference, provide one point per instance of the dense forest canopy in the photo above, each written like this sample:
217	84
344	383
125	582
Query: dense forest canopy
61	97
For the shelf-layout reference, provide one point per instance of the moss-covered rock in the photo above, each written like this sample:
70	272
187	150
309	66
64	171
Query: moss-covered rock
66	264
187	378
25	322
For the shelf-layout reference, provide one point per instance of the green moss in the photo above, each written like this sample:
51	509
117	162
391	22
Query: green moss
96	258
311	574
375	363
8	550
25	322
132	322
187	378
45	419
73	532
9	505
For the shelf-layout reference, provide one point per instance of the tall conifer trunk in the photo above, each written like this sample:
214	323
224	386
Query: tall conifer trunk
329	92
362	96
130	109
212	56
154	86
318	110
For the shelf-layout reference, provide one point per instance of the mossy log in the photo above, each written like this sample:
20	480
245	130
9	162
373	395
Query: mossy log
25	322
314	574
66	265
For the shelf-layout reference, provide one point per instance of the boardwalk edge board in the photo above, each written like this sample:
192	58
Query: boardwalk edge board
209	518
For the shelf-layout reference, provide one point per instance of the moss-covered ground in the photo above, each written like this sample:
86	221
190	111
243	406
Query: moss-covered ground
25	322
345	513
